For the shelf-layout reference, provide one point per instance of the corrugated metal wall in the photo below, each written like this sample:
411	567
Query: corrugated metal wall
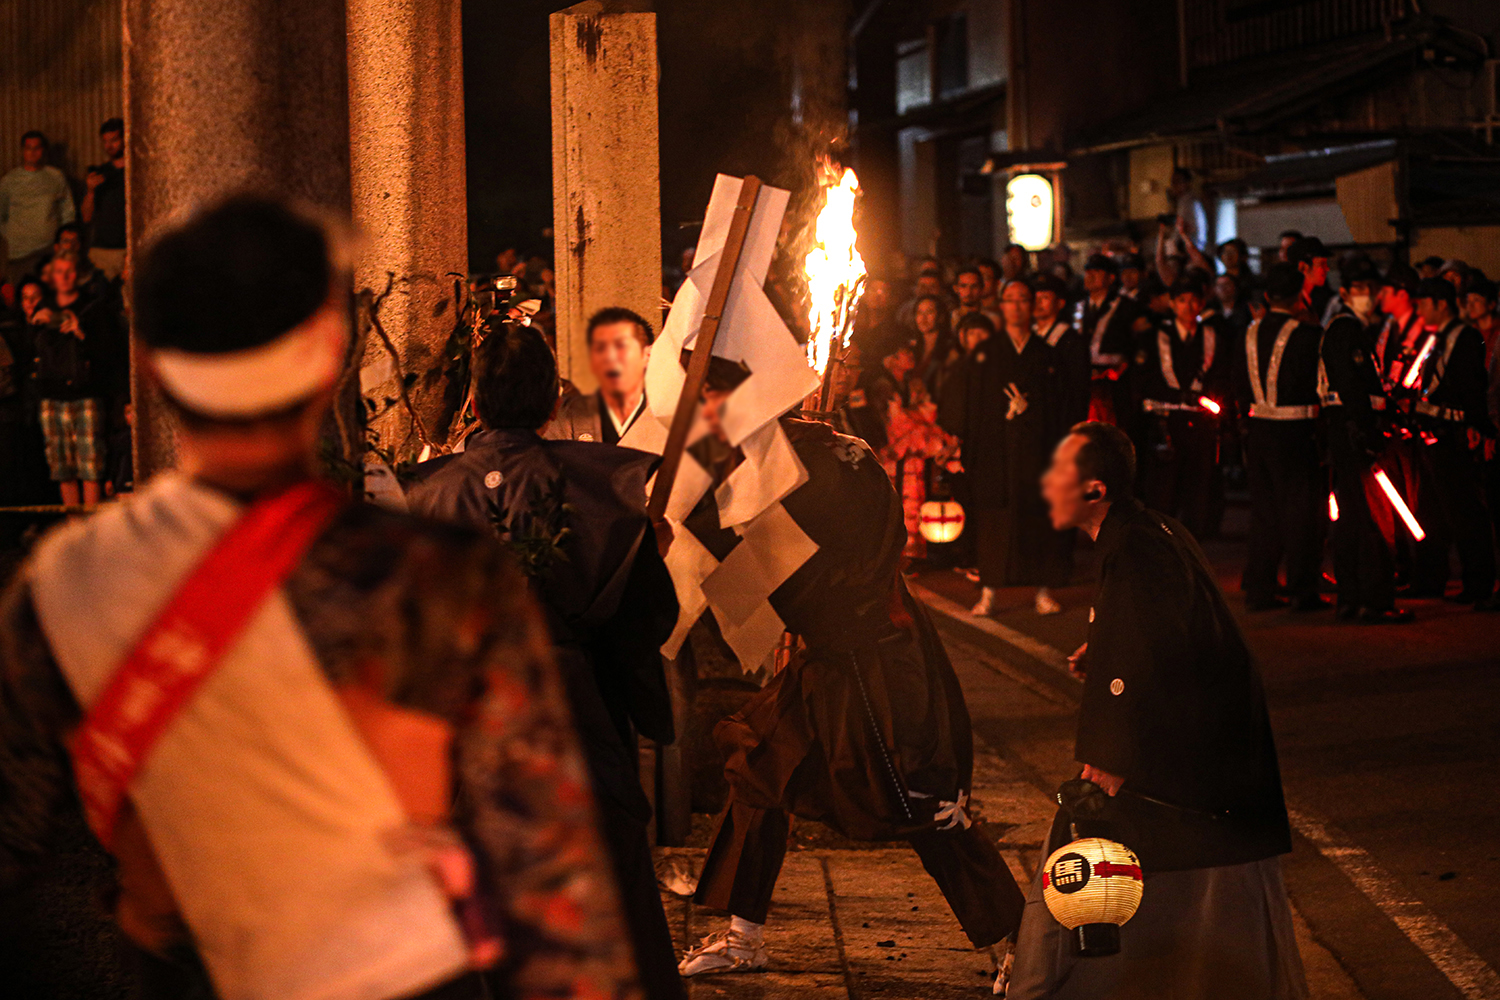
61	72
1220	31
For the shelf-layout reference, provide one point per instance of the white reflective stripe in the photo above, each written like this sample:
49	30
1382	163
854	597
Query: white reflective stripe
1056	332
1164	354
1440	368
1265	411
1169	368
1265	394
1439	412
1099	328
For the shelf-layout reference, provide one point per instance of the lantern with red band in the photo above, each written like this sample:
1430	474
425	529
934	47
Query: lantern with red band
1092	887
941	521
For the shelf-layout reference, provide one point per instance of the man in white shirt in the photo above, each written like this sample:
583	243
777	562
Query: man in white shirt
619	347
34	202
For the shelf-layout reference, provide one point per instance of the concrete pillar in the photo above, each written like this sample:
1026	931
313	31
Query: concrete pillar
227	95
606	175
407	178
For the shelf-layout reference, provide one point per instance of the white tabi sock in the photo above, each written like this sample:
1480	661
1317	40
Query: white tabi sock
747	929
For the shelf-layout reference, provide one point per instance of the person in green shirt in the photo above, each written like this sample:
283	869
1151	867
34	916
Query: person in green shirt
34	202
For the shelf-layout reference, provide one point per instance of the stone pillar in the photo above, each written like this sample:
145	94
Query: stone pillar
222	96
606	175
407	178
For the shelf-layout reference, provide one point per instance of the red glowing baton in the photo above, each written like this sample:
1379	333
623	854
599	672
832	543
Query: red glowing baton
1415	371
1333	507
1209	405
1399	504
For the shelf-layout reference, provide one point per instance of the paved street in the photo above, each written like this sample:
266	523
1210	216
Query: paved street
1387	737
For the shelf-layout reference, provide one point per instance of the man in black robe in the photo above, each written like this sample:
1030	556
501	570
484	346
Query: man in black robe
574	514
865	730
1174	732
1006	413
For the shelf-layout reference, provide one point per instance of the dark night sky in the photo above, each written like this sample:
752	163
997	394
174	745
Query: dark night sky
728	69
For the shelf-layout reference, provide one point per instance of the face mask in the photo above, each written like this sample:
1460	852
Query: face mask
1363	306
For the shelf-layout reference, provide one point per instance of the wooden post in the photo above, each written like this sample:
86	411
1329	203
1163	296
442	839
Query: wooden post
692	386
606	174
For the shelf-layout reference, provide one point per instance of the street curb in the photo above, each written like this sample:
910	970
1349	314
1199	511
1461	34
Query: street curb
1040	662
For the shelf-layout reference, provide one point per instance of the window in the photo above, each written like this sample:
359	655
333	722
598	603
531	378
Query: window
952	37
913	75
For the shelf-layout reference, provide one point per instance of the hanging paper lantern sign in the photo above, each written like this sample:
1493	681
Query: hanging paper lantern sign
941	521
1093	886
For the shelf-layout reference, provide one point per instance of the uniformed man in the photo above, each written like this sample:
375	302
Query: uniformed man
1184	384
1050	295
1452	415
1311	258
1399	336
1355	415
1277	389
1132	268
1106	320
619	347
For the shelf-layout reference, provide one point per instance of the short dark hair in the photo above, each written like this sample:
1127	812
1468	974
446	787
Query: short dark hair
112	125
1289	234
1283	283
1183	172
1049	283
974	270
1186	285
1484	288
515	385
234	276
1106	456
67	227
610	315
1403	278
1438	290
34	134
974	319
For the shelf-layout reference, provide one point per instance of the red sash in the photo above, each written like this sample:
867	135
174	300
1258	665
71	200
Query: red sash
187	642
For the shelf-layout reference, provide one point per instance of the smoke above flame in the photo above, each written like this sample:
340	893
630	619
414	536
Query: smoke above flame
834	269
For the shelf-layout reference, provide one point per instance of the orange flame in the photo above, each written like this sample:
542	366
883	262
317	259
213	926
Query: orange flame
834	269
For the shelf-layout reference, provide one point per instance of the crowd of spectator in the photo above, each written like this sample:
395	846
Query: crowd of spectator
969	371
64	344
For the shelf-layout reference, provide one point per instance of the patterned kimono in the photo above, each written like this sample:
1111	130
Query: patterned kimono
913	440
443	622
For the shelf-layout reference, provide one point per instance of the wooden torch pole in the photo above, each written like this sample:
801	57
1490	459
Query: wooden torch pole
692	386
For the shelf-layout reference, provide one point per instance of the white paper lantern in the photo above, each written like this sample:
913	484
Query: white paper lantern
1093	886
941	520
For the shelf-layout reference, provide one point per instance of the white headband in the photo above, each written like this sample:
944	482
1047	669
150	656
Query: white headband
294	366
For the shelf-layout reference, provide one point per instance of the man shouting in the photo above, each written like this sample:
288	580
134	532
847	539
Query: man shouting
1174	730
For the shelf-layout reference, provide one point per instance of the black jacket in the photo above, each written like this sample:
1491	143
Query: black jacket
1358	417
610	595
1174	705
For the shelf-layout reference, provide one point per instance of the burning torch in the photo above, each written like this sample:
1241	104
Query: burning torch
835	276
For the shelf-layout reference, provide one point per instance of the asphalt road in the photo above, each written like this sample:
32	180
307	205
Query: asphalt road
1389	739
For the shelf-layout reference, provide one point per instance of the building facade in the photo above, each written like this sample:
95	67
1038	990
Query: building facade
1370	123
